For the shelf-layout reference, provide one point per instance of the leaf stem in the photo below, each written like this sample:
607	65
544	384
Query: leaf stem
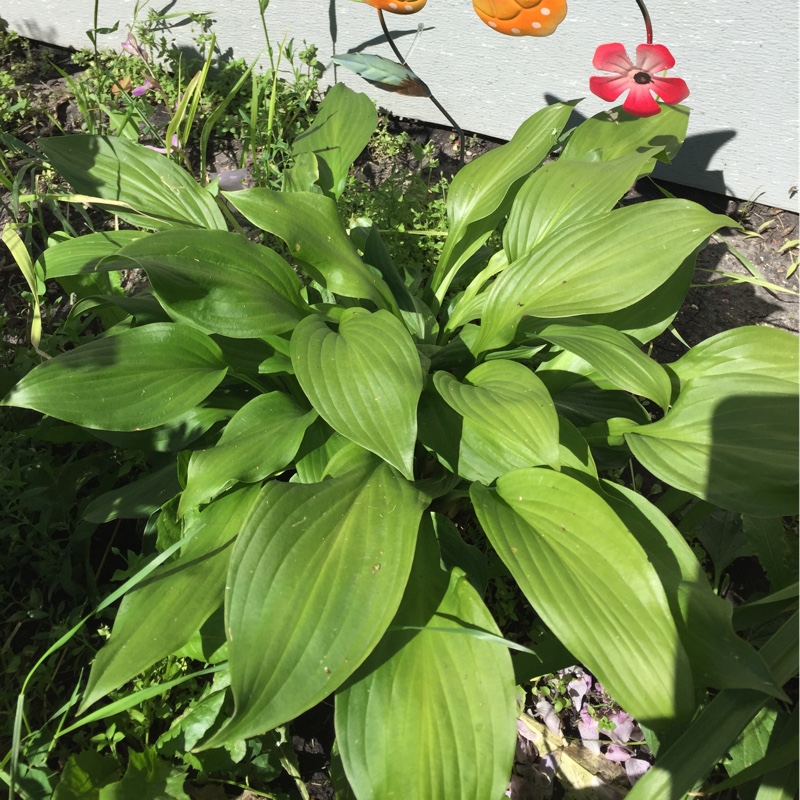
403	62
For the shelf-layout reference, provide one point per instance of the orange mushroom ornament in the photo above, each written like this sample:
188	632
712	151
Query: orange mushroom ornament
512	17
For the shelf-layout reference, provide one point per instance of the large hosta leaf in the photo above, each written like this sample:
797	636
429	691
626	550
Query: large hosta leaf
719	657
566	191
82	255
364	380
324	248
161	194
593	585
730	439
509	419
754	351
613	355
480	193
164	612
340	131
315	578
615	133
261	438
140	378
431	713
220	282
602	264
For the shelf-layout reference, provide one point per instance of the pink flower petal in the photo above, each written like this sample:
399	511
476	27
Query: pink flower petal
670	90
640	101
654	58
608	87
623	727
587	727
635	768
546	712
617	753
138	91
612	58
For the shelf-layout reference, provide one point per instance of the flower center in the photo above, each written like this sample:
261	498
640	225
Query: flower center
642	77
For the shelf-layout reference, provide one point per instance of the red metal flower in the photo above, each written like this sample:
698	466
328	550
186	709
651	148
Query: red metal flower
641	80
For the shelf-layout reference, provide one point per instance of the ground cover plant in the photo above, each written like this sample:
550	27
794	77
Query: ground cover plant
311	428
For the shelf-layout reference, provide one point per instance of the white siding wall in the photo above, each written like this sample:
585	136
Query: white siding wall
740	58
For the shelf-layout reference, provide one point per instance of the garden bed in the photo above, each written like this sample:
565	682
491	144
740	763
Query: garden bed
763	294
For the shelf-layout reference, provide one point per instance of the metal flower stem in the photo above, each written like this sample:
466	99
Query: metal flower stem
396	51
647	22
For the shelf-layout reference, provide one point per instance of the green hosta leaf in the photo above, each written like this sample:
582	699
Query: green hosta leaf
323	247
481	191
564	192
82	255
315	578
722	536
776	549
647	318
175	435
708	739
341	129
754	351
584	402
164	612
613	355
437	708
592	584
164	195
136	500
457	553
220	282
603	264
509	419
614	134
719	657
729	439
364	380
261	438
574	452
385	73
140	378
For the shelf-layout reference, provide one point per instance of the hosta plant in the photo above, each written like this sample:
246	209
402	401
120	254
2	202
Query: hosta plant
324	419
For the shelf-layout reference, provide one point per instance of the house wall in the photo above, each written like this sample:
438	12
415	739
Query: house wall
739	57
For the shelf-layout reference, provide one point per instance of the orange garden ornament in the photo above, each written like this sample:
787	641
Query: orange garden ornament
512	17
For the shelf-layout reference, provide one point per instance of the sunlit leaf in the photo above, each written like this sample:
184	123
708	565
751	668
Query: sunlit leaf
599	265
731	440
261	438
509	419
220	282
417	685
482	191
314	580
164	612
161	194
341	129
613	355
593	585
140	378
324	247
364	380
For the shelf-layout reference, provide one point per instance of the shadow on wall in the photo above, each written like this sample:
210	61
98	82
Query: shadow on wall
30	29
691	166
